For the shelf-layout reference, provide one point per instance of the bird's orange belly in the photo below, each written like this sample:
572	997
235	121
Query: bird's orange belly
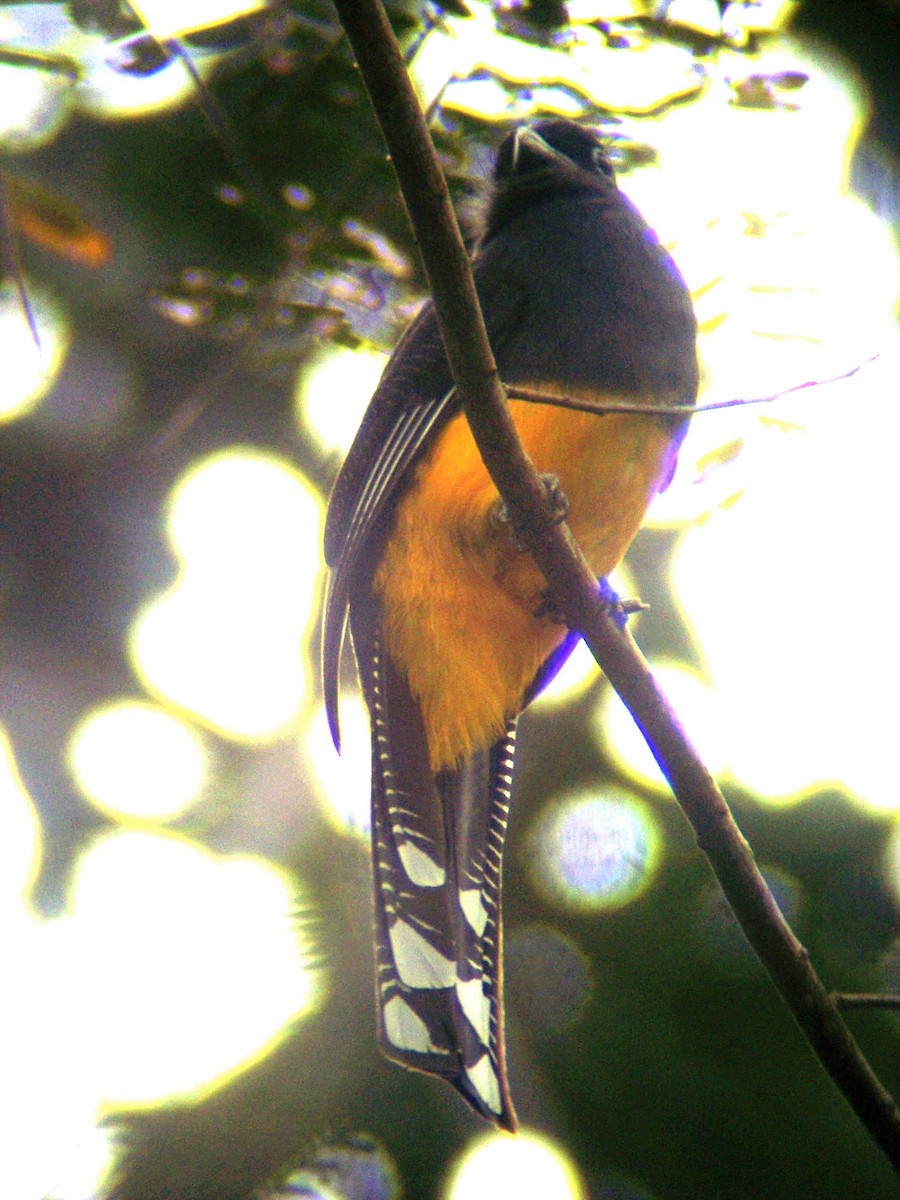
458	599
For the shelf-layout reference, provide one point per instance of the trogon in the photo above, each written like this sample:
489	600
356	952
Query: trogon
448	612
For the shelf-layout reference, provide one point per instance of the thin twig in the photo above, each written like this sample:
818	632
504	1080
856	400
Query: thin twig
848	1000
36	60
575	589
553	399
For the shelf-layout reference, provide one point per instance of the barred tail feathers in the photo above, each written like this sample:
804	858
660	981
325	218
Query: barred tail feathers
437	845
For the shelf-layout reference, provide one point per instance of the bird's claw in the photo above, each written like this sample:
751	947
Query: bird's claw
557	509
620	610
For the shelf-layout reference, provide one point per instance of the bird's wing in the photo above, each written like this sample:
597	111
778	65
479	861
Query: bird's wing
414	398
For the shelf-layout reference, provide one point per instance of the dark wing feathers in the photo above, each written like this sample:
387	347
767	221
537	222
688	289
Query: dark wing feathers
414	398
410	430
416	375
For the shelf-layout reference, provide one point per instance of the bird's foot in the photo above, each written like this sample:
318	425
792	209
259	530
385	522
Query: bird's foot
620	610
557	508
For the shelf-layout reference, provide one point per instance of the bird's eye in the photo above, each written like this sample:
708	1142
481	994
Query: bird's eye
601	162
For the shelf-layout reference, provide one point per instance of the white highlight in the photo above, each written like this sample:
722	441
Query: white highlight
333	392
476	1005
419	965
421	869
132	758
29	370
529	1167
146	909
405	1029
473	909
342	780
483	1078
227	640
165	19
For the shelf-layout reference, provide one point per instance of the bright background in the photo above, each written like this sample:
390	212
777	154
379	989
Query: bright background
185	929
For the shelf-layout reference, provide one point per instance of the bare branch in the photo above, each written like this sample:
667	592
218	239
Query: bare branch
573	586
534	396
848	1000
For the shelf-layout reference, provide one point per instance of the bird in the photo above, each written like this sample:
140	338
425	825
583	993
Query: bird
448	613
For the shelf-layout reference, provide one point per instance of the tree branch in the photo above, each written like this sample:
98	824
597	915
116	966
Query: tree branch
573	586
535	396
848	1000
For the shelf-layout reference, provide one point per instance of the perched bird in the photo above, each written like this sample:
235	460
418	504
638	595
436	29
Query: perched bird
449	616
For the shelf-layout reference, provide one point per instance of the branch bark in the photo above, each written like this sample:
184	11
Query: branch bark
574	588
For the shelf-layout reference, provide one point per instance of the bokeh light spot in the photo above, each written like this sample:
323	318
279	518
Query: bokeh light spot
529	1167
589	852
116	84
192	963
547	977
34	104
298	196
578	673
132	759
760	588
691	698
475	68
88	1168
29	368
333	391
47	1105
793	278
718	927
226	641
343	779
166	19
20	843
170	969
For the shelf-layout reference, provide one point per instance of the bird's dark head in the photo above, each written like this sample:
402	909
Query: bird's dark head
556	145
544	160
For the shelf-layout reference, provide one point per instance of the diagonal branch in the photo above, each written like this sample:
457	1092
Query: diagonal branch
574	588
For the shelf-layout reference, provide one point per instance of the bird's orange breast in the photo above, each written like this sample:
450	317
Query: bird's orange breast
458	598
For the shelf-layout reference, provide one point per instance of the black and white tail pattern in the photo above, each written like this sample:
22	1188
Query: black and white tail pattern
437	849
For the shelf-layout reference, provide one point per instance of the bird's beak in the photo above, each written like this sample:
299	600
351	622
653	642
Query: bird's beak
526	143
